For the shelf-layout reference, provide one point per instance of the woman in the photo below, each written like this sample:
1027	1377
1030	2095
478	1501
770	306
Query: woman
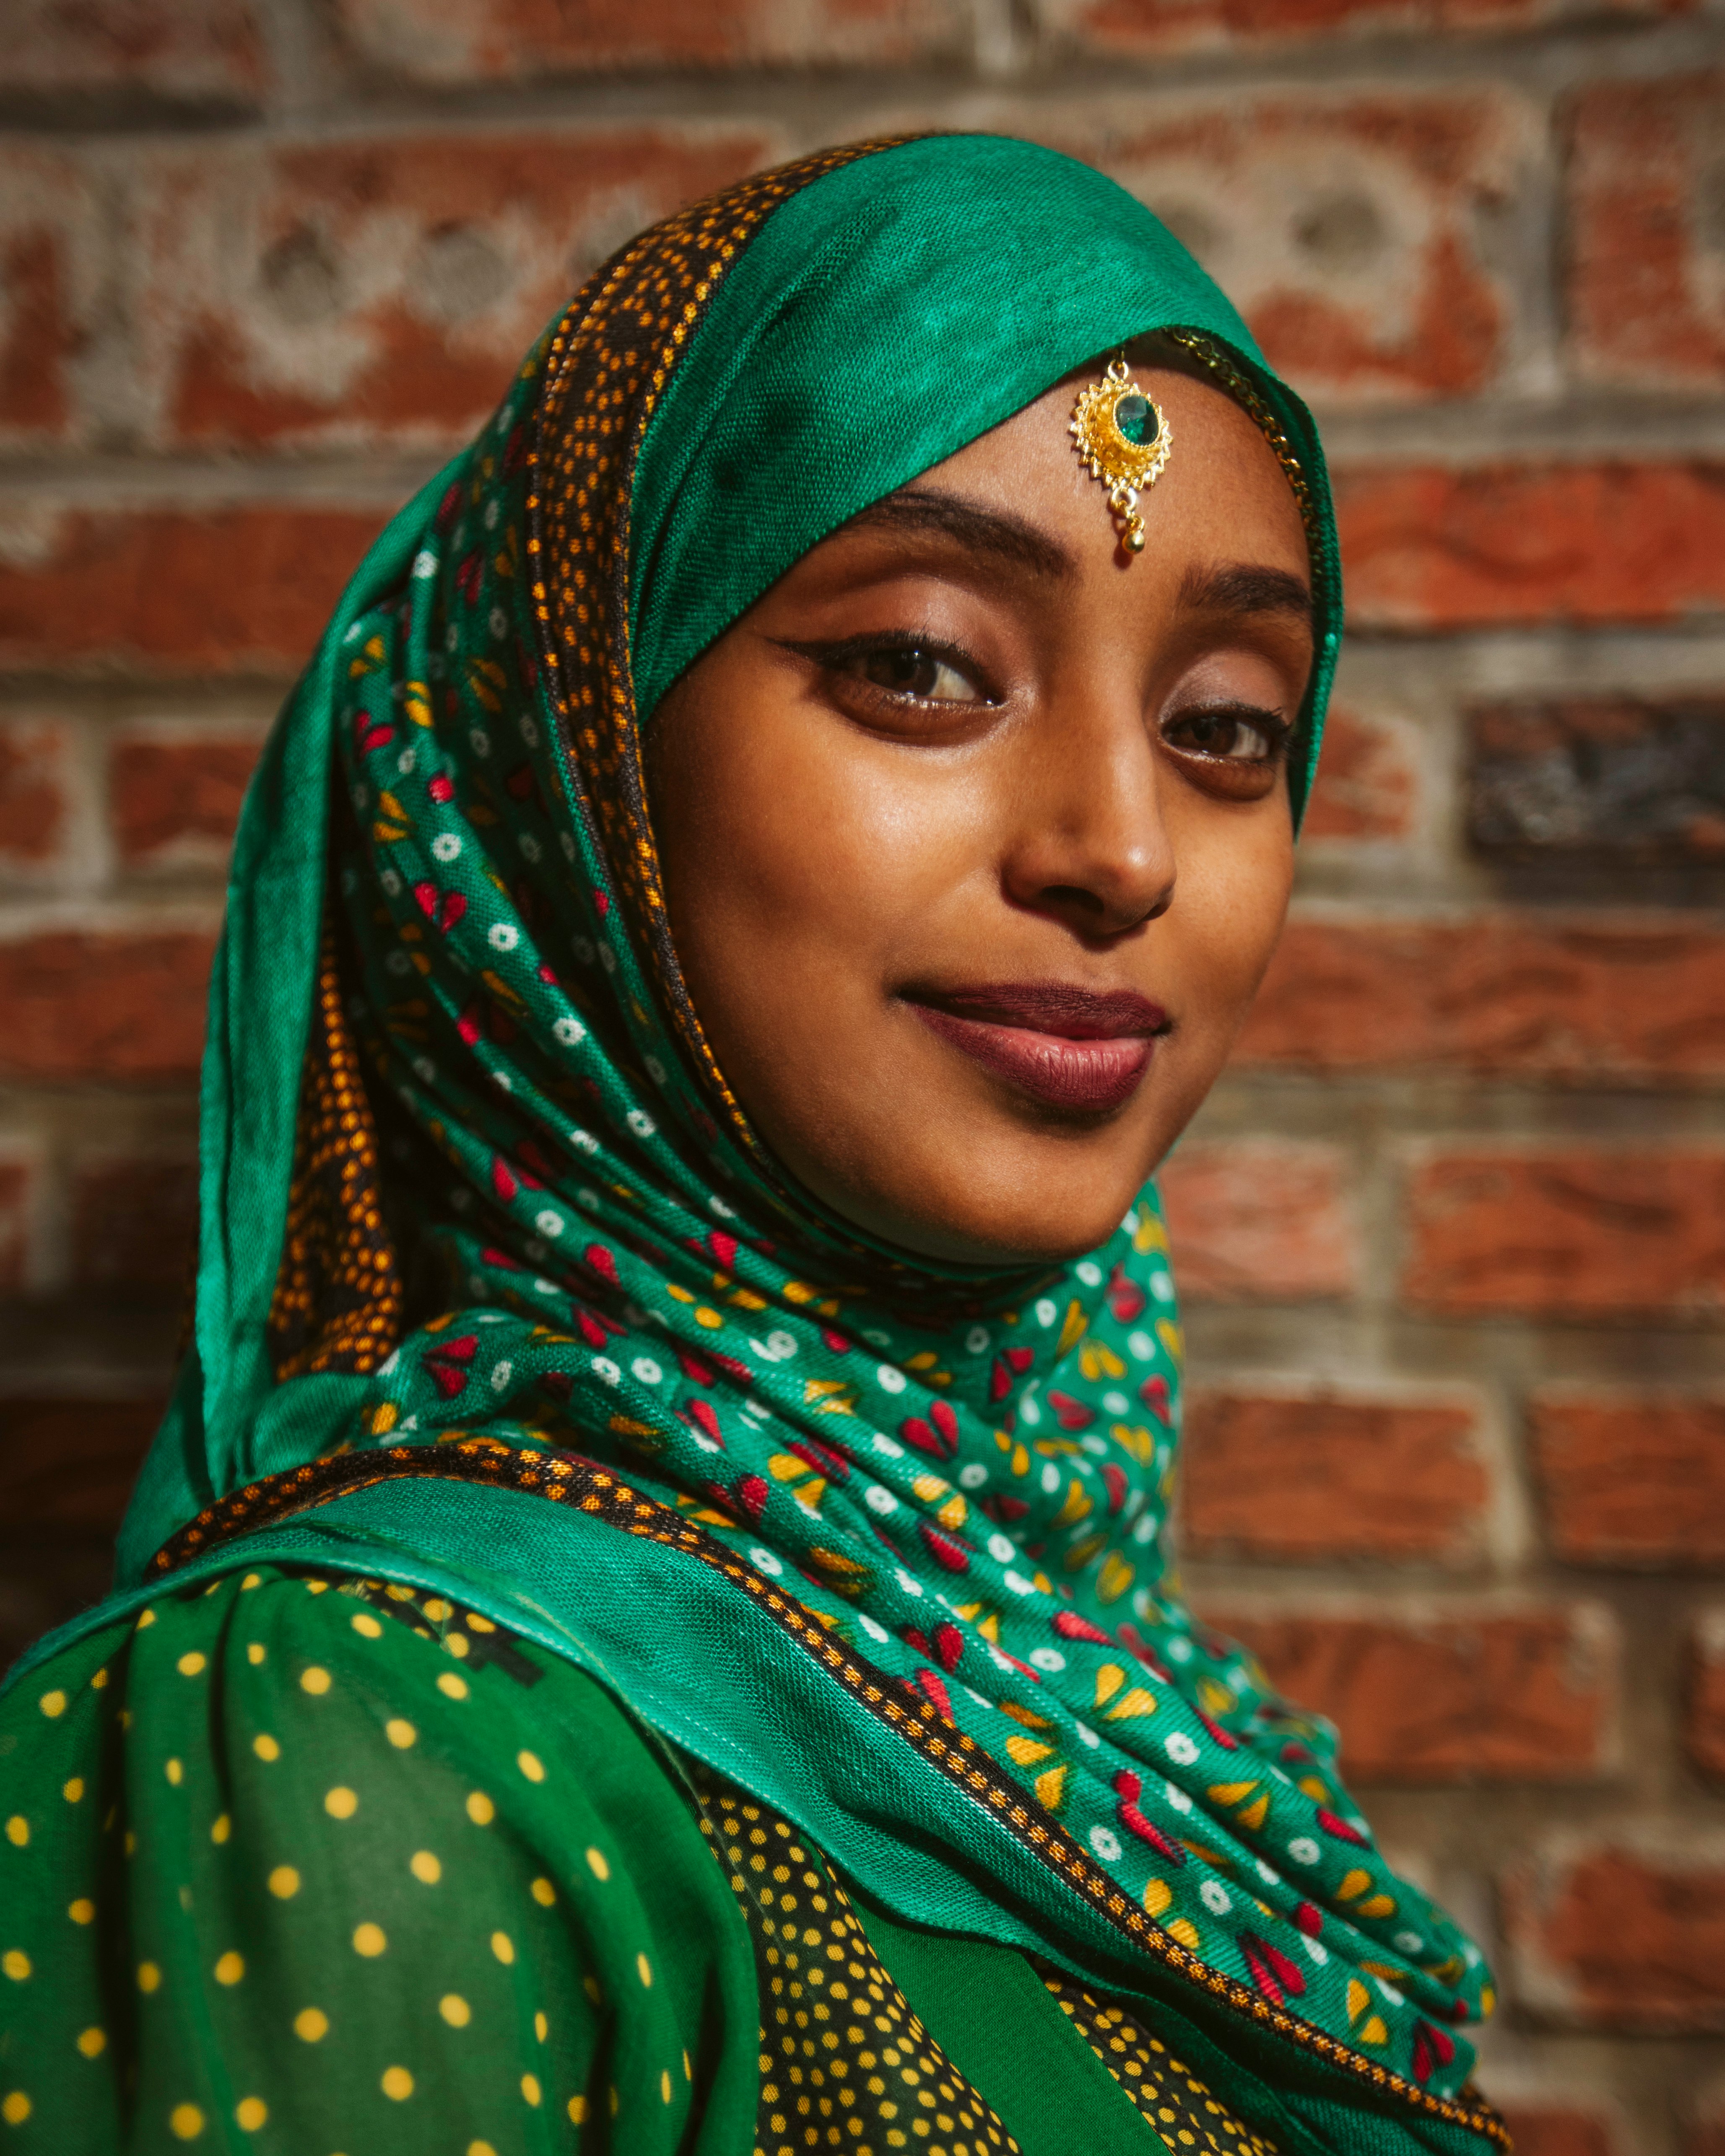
773	848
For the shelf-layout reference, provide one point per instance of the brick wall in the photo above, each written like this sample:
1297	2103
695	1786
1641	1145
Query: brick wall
1453	1228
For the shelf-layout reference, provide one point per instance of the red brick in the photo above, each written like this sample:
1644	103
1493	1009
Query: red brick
243	589
1704	1728
32	801
195	51
434	41
125	1009
133	1224
16	1195
1124	28
50	266
1632	1482
1518	993
385	291
1622	1938
1432	547
1463	1695
1367	783
1316	1479
1568	1234
1646	304
1259	1222
67	1464
1540	2129
1346	228
175	797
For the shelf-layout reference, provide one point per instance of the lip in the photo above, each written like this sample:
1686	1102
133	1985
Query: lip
1082	1049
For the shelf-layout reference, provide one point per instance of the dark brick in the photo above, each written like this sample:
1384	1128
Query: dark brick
133	1224
67	1465
1611	776
16	1191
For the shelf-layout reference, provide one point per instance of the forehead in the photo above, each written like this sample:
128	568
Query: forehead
1223	493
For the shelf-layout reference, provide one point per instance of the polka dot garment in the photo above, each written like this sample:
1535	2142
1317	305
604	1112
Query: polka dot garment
333	1851
345	1886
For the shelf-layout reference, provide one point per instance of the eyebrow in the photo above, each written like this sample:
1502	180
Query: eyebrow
994	531
1246	587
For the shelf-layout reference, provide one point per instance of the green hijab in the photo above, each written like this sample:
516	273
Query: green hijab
500	1293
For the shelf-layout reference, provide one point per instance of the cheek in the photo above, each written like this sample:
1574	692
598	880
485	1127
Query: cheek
804	862
1234	892
826	851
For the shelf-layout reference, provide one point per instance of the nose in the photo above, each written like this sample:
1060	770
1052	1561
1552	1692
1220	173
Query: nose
1090	843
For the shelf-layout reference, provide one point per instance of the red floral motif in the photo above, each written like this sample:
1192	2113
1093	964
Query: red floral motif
937	1436
450	1364
1274	1975
1129	1787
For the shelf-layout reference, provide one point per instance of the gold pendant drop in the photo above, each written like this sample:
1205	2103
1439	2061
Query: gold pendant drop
1123	436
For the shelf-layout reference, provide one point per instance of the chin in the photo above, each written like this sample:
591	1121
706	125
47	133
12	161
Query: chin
1022	1228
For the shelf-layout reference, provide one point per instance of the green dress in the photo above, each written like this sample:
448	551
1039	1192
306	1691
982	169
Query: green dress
325	1866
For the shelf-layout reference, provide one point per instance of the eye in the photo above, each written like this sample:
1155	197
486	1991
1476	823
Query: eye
1233	734
916	672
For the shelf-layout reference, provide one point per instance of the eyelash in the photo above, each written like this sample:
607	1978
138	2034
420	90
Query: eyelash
1277	731
846	656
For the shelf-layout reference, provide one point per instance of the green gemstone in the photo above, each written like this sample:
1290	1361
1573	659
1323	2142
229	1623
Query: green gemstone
1135	417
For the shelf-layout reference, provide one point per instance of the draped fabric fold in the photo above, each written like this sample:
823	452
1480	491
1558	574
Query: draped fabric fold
472	1175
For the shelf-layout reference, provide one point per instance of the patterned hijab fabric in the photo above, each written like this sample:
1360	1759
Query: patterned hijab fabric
527	1212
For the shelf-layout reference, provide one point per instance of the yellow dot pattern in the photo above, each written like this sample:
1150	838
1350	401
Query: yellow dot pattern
1174	2099
294	1787
481	1932
844	2063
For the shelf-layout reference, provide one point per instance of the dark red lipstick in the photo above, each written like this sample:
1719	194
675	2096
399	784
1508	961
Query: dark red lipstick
1082	1049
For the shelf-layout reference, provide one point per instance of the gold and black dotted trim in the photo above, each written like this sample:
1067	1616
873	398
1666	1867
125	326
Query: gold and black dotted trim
337	1300
845	2062
582	1486
1189	2118
606	365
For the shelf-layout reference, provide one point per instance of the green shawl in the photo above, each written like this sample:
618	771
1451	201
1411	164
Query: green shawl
882	1541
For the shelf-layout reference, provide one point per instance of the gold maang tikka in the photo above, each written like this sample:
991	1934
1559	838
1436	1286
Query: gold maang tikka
1122	435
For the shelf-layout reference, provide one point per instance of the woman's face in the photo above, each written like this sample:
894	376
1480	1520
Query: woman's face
975	832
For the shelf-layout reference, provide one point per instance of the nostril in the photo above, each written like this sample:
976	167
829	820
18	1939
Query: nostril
1104	916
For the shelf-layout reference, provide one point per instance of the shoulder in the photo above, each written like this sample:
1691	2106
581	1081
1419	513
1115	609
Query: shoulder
445	1860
